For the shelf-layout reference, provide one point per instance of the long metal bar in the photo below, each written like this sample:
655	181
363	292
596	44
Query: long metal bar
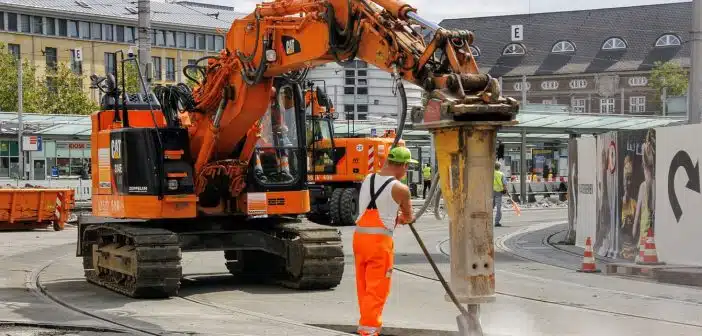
522	169
144	41
424	22
20	110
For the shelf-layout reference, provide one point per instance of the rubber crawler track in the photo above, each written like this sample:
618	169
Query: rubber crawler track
320	251
157	256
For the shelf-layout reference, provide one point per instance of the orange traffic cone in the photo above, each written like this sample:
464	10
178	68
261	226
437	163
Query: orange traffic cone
648	254
588	259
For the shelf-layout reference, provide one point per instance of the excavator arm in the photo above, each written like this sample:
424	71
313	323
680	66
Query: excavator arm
285	36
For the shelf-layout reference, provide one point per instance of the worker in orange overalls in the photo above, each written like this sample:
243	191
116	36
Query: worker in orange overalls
380	198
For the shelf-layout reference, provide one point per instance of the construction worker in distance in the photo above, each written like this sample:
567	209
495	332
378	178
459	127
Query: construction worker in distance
380	198
426	174
499	188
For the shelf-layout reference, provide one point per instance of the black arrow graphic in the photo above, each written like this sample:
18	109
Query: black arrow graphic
682	159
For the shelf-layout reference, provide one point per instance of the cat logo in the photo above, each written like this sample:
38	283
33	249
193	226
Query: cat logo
116	148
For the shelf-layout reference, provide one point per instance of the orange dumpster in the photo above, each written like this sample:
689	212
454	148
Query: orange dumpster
33	208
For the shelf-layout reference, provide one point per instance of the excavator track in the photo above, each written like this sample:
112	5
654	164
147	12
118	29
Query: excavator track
139	262
315	259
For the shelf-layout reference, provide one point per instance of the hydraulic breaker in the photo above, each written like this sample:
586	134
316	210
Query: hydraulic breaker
465	127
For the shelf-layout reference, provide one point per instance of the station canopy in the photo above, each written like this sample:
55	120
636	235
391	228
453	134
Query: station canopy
46	124
539	125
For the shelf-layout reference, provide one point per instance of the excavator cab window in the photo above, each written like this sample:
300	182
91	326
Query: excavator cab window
320	146
279	150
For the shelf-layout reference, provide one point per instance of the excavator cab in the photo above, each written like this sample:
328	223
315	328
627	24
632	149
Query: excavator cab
320	147
279	154
321	152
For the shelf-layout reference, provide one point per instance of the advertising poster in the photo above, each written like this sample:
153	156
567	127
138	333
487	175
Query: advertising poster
584	168
678	228
572	184
605	243
636	189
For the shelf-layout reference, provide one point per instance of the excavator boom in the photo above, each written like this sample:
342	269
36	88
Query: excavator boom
289	35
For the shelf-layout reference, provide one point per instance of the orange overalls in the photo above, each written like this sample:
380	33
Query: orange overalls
373	250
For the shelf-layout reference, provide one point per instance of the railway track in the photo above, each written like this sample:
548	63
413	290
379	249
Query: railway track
34	284
440	248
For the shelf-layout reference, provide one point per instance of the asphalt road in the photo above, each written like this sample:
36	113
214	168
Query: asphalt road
535	295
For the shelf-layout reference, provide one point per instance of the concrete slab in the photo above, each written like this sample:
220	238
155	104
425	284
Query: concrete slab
172	316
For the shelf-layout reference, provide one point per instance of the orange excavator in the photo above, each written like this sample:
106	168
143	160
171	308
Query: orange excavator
185	170
338	166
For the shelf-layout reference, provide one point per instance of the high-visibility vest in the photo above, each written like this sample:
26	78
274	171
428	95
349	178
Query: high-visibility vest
426	172
497	182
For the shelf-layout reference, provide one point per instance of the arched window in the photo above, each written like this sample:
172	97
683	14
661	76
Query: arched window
514	49
475	51
613	44
668	40
563	47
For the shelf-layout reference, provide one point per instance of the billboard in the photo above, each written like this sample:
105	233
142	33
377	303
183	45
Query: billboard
583	171
636	192
677	186
605	243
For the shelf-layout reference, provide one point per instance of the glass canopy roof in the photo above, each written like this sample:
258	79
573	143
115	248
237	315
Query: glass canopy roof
541	125
538	125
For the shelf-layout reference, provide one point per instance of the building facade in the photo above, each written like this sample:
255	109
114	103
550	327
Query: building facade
595	61
361	91
48	32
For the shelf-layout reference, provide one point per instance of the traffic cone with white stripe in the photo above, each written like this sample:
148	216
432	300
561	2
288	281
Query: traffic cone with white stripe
589	265
648	254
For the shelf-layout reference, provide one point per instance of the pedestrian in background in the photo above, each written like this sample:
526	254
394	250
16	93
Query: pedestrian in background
499	188
426	174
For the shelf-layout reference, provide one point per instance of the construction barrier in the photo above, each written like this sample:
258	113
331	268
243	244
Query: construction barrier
32	208
635	185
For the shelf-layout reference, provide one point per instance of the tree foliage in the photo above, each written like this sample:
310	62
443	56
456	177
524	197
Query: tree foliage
671	76
131	74
34	94
66	94
56	91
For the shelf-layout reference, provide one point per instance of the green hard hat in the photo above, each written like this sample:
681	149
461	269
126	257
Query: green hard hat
401	155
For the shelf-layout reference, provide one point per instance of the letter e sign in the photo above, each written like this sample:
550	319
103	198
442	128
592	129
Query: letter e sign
517	33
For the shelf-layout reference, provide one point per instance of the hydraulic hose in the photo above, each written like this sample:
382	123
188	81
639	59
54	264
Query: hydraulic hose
437	205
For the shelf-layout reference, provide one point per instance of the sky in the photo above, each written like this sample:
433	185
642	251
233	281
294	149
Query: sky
436	10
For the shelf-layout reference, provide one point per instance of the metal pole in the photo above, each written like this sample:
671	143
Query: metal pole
524	90
695	106
144	41
664	99
522	169
502	86
20	110
424	22
572	189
